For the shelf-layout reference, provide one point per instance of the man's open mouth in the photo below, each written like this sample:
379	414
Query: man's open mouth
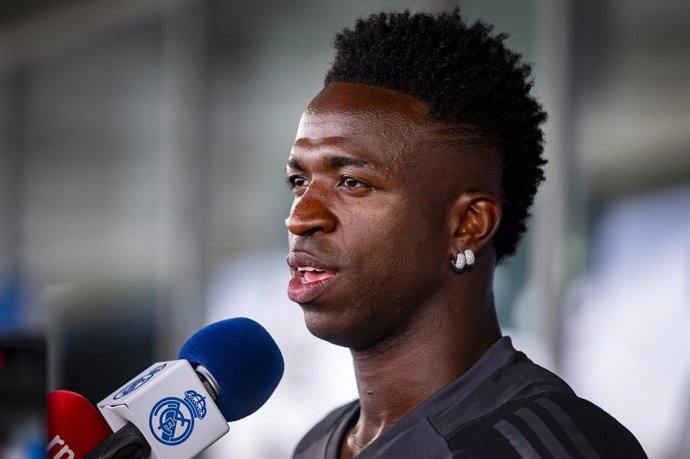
309	274
308	281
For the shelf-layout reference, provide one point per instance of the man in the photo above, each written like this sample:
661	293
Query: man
413	171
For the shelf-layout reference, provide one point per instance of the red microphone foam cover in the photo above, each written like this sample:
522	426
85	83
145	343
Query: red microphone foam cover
76	421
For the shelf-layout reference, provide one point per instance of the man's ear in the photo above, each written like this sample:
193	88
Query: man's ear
474	219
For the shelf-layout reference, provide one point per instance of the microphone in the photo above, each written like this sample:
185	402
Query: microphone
226	371
74	425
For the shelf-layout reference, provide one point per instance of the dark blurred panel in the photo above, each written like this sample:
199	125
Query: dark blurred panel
23	378
633	96
106	337
17	10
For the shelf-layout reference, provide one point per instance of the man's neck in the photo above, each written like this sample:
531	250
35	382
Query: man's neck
394	378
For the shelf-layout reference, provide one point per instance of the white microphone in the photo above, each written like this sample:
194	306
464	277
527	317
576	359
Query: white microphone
226	371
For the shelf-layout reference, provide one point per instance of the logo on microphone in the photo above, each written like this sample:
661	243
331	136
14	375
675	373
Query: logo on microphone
172	419
139	382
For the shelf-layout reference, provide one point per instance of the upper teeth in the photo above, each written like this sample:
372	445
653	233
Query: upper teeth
307	268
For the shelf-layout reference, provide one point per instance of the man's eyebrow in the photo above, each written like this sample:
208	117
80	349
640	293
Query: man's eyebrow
294	164
336	162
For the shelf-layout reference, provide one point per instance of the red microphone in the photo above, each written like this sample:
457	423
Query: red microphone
74	425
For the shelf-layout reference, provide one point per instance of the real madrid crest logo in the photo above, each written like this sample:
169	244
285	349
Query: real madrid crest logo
172	419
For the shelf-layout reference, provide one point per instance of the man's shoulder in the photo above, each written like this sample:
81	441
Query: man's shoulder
517	379
551	425
524	410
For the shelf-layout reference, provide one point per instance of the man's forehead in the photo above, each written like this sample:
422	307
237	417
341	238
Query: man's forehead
383	134
363	98
335	118
337	126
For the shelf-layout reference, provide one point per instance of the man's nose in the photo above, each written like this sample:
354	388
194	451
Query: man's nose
310	213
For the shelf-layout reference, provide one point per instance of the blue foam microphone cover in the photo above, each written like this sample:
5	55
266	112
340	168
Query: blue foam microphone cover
242	358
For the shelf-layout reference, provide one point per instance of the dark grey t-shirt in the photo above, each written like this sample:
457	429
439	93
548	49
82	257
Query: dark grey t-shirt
505	406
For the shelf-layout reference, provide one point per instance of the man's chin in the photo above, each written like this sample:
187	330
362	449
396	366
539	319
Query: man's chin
329	329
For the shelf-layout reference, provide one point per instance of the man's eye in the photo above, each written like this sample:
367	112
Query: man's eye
295	181
351	182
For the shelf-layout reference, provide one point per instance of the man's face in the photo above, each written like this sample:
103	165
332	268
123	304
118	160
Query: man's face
369	239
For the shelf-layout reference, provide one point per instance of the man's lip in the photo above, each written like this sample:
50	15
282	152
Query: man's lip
297	260
303	292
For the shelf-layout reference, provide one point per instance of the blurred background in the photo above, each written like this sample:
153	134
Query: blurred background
142	153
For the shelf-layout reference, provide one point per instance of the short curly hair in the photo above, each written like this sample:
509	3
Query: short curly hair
465	74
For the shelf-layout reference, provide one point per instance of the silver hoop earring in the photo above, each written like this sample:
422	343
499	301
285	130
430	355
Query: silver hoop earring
460	261
469	257
463	259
